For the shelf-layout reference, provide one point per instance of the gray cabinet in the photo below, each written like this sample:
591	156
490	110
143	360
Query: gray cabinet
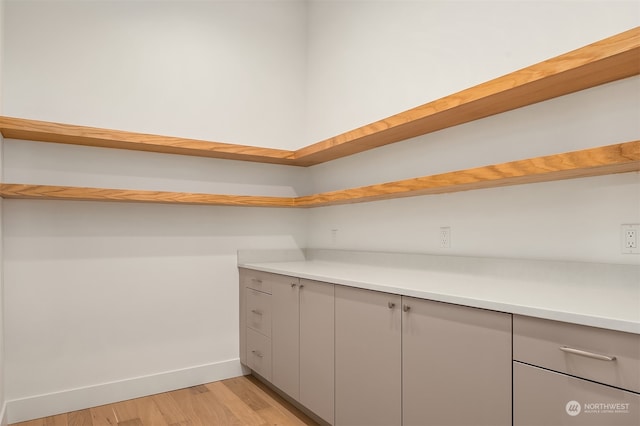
286	336
317	348
456	365
548	398
361	357
568	374
367	358
302	342
255	321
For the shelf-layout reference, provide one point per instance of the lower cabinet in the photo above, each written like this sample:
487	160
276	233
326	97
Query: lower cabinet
302	339
569	374
360	357
544	397
317	348
368	358
287	335
402	360
456	365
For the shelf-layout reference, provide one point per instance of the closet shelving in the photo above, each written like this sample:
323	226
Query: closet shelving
608	60
619	158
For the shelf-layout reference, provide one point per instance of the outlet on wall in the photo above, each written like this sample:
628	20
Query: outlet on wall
334	236
629	238
445	237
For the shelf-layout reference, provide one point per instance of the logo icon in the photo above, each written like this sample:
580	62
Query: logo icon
573	408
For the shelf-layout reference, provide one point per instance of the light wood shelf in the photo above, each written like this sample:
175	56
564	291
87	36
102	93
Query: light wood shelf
44	131
602	62
618	158
73	193
611	59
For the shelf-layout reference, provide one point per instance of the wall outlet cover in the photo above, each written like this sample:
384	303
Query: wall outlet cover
629	237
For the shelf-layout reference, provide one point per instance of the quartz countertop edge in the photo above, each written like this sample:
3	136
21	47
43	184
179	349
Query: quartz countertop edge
613	306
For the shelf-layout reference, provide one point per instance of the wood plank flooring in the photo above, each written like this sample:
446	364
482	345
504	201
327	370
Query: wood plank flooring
238	401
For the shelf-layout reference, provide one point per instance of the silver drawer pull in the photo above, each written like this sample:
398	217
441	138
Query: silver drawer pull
406	308
256	280
257	353
391	305
593	355
257	312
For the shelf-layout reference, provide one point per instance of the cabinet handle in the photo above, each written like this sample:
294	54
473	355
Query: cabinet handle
301	285
257	312
256	280
406	308
257	353
293	285
391	305
588	354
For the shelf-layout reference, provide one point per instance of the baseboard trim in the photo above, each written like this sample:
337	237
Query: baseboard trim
3	415
50	404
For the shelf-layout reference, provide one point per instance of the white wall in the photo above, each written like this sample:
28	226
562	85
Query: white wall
112	301
214	70
102	293
371	59
3	419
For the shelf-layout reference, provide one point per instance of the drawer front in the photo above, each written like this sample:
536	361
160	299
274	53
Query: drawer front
579	350
258	311
543	397
257	280
259	353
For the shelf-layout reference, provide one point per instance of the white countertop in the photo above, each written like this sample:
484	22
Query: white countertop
599	295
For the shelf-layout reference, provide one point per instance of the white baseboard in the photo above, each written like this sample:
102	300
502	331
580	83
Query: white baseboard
3	415
37	406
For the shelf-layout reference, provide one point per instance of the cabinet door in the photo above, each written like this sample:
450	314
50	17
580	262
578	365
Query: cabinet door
546	398
367	358
285	335
456	365
317	348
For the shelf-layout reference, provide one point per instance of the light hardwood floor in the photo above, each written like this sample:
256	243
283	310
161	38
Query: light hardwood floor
237	401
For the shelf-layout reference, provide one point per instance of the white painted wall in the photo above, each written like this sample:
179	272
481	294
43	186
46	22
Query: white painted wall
3	418
113	301
103	293
213	70
368	60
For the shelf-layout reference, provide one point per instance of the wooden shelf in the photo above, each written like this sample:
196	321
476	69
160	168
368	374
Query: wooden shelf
618	158
72	193
602	62
44	131
607	60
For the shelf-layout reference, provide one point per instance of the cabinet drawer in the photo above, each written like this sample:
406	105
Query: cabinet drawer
543	397
579	350
259	353
258	311
256	280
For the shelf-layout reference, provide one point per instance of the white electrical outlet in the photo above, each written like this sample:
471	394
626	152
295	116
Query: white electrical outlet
334	236
445	237
629	236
